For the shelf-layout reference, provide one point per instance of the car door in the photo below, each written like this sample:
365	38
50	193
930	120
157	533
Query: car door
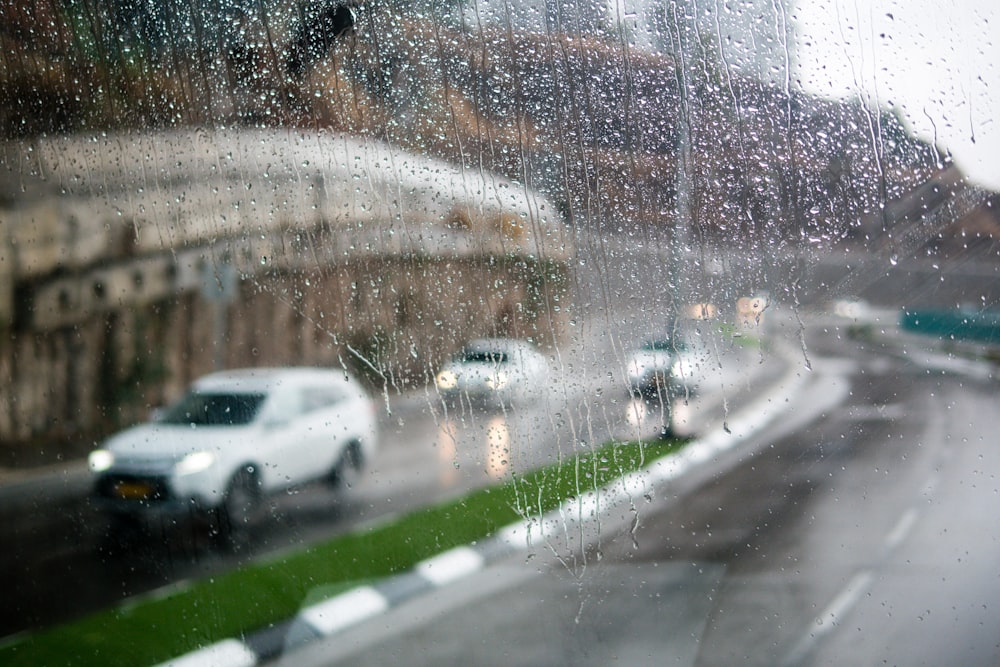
327	422
284	445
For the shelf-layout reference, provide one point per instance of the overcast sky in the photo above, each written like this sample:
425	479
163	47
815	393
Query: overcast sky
935	60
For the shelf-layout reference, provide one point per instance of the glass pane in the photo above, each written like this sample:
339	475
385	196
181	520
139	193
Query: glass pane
552	324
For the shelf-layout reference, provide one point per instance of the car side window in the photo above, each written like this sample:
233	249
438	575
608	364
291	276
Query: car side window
319	397
285	405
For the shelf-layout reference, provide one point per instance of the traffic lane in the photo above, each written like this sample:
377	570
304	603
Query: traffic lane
792	525
59	543
938	578
429	451
47	552
804	543
444	448
535	612
751	558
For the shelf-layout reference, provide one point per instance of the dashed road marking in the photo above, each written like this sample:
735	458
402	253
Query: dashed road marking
831	617
902	528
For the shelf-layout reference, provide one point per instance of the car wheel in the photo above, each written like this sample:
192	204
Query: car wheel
347	471
239	509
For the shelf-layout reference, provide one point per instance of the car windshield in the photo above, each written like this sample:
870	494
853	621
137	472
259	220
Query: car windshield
484	357
199	408
593	332
663	345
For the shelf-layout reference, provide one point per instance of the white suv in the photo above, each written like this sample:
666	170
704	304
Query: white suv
233	438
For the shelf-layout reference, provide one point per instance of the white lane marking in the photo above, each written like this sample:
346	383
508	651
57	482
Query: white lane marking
344	610
828	620
949	363
450	565
892	411
846	599
227	653
901	529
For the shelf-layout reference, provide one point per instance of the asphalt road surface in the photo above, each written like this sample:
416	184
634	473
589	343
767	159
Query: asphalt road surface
860	530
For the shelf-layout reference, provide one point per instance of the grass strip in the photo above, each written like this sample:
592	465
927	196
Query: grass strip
257	595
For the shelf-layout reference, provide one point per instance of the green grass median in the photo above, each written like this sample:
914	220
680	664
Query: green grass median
152	630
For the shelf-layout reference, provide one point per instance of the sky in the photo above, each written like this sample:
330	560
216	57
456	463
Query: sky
938	62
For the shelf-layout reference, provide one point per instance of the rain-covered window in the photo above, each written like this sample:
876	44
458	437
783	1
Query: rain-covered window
542	332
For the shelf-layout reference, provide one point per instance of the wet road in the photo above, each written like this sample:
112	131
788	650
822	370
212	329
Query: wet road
865	535
429	452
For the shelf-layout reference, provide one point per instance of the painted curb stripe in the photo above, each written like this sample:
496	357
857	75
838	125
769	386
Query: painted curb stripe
344	610
450	565
227	653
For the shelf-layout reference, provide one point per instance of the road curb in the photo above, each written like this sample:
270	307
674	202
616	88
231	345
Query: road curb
336	614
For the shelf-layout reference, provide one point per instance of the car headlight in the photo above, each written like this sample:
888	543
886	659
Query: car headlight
446	380
194	462
100	460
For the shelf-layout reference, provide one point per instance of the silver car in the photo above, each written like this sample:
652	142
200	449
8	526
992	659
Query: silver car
665	367
495	369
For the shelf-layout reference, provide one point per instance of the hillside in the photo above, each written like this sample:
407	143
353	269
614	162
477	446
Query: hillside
584	118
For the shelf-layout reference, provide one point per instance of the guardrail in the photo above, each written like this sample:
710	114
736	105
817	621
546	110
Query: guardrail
980	326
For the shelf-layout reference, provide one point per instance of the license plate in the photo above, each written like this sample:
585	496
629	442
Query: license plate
133	490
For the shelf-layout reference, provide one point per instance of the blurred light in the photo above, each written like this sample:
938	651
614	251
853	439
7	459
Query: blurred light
446	380
851	309
194	462
702	311
447	451
635	412
749	310
498	448
100	460
682	419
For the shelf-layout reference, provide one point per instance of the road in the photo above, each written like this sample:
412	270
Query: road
862	532
429	452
